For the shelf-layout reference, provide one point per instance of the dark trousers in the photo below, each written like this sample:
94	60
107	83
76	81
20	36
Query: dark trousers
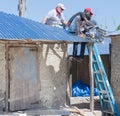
82	52
75	49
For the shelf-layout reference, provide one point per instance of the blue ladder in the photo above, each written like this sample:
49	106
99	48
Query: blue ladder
107	100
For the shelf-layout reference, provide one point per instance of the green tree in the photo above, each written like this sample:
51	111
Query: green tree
118	28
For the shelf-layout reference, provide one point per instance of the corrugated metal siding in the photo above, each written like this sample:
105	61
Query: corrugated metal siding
15	27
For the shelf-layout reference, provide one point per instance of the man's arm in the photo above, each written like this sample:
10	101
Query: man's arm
44	20
78	31
48	16
80	25
72	18
89	22
64	22
85	20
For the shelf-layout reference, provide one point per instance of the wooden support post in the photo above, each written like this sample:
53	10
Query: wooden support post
7	79
91	78
69	81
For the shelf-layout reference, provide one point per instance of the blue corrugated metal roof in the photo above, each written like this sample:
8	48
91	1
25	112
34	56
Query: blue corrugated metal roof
14	27
102	48
113	33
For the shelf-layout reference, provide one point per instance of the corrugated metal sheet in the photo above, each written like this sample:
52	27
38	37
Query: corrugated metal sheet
103	48
14	27
113	33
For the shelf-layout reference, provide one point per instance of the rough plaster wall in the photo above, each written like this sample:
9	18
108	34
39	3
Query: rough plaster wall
2	74
115	68
53	75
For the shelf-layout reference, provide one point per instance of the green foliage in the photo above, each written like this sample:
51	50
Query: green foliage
118	28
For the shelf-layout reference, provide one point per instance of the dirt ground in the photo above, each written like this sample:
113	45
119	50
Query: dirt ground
78	107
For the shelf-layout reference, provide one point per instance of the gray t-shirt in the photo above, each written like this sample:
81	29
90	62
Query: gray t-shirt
73	26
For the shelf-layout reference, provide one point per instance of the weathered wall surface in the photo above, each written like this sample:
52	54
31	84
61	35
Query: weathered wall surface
115	68
2	74
53	75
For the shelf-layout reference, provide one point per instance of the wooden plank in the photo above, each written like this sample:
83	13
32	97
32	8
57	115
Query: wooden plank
30	41
7	78
91	78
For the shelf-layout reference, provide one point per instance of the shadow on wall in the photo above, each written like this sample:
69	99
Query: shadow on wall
54	73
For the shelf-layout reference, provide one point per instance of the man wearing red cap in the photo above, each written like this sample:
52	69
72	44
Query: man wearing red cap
76	24
89	10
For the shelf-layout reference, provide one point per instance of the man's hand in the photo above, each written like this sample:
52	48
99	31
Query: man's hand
82	35
96	26
86	28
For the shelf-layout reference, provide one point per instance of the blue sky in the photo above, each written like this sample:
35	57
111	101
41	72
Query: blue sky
106	12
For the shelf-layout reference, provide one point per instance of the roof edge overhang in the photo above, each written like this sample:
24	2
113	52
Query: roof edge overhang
29	40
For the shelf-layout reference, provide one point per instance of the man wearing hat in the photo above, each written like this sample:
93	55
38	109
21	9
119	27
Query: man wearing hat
76	24
55	17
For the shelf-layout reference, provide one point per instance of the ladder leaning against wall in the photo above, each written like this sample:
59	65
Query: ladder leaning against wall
107	100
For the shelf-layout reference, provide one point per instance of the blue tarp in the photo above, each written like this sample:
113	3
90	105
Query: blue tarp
81	89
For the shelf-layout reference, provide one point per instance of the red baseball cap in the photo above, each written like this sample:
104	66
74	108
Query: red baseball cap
89	10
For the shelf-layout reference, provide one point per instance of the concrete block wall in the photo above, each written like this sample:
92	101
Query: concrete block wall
115	67
53	75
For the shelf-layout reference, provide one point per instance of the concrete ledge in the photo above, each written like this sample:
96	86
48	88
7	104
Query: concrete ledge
38	112
78	100
47	112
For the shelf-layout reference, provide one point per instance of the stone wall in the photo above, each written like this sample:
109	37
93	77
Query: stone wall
115	67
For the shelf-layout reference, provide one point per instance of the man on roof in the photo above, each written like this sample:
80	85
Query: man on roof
55	17
77	23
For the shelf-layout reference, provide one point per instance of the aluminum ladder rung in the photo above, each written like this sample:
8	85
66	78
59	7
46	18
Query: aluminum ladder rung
96	72
107	101
94	61
100	81
108	112
103	92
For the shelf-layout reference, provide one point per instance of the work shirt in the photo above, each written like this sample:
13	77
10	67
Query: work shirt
54	19
73	26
